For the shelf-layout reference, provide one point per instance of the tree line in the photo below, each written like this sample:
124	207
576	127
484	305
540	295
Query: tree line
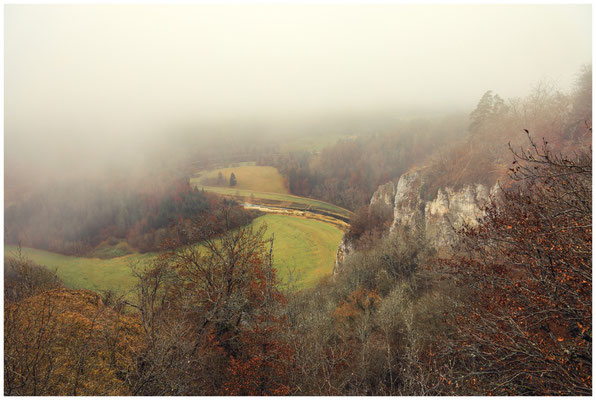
74	218
348	172
507	312
459	148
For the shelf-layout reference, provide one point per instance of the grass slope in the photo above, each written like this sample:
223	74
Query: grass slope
260	183
88	273
248	177
308	246
288	199
302	247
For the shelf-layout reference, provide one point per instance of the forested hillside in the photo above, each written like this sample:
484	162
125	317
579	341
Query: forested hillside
76	217
496	127
304	199
503	309
348	172
459	150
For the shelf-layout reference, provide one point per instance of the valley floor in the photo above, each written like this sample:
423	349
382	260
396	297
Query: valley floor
304	252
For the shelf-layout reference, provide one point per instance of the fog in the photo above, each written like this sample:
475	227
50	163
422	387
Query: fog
96	84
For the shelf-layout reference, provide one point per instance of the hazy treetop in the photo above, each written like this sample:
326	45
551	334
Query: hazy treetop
84	77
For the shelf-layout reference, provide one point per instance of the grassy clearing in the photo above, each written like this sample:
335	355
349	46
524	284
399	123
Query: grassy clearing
302	247
307	246
283	199
260	185
315	214
88	273
105	250
248	177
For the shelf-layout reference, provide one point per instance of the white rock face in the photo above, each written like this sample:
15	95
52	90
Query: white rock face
437	219
441	216
384	195
344	249
408	207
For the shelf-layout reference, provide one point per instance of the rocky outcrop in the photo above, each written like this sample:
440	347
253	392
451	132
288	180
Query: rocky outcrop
436	219
408	207
451	209
345	247
384	196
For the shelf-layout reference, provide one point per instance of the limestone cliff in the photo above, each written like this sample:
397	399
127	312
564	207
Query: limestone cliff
440	217
451	209
344	249
437	219
384	195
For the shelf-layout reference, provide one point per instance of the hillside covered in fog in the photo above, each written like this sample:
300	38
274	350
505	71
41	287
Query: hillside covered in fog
298	199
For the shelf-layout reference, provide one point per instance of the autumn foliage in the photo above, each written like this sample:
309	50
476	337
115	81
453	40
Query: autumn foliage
204	320
77	218
66	342
527	328
212	318
506	311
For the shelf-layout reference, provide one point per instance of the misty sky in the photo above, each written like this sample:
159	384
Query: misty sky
80	78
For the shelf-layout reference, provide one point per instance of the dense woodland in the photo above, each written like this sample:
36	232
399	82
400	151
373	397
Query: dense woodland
506	311
458	149
77	217
563	120
348	172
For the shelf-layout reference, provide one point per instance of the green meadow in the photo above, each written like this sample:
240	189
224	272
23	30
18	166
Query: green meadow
88	273
289	199
260	183
248	177
303	249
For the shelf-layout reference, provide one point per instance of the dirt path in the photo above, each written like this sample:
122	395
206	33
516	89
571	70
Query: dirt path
311	214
